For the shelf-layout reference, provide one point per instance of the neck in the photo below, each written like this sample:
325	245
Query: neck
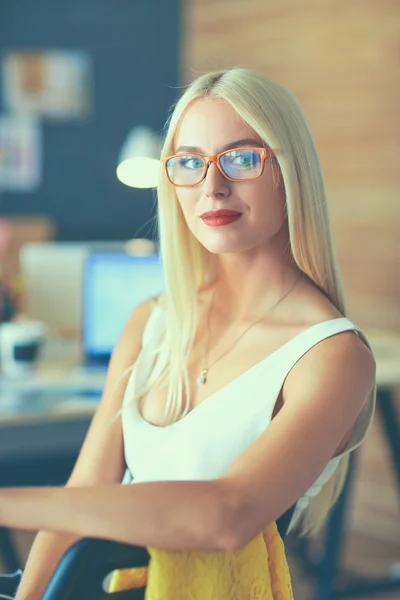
246	285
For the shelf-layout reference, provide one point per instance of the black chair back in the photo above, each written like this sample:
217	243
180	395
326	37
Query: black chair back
86	563
284	521
9	584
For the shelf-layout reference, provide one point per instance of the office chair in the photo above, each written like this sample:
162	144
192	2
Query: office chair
83	567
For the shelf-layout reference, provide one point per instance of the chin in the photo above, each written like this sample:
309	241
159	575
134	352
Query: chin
229	242
225	247
223	250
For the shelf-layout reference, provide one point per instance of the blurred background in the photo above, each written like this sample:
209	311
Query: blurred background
86	85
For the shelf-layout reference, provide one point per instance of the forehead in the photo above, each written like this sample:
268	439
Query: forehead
210	124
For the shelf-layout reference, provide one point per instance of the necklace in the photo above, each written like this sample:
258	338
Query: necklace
202	377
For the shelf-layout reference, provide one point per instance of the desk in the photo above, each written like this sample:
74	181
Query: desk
43	422
41	415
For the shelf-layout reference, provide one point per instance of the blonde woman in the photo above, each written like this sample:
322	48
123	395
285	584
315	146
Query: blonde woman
249	386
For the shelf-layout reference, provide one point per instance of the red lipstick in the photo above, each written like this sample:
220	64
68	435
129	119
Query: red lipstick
217	218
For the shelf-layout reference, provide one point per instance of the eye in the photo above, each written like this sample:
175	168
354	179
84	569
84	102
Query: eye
243	159
190	162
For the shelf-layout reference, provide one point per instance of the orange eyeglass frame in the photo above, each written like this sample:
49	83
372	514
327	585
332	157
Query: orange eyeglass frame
263	152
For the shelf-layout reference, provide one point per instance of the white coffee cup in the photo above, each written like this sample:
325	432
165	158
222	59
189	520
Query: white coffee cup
20	345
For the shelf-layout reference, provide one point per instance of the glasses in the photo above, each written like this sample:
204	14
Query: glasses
238	164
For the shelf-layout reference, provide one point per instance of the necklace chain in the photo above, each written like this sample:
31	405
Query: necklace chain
202	377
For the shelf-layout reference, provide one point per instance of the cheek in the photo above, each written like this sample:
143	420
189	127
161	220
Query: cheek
270	198
187	201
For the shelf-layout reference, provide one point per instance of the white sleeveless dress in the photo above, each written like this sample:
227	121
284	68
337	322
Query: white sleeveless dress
204	443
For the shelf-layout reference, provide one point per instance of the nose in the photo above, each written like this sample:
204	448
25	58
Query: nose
215	184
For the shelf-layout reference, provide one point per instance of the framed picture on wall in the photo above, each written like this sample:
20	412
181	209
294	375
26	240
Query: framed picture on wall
20	153
52	84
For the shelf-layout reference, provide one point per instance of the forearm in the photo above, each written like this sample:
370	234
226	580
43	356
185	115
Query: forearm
170	515
46	552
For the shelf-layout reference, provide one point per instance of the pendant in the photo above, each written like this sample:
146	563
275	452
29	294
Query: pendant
202	378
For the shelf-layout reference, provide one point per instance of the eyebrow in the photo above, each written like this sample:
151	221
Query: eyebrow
231	145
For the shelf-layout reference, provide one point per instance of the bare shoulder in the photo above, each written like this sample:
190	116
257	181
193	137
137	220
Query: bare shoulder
140	314
130	340
128	346
338	359
340	366
341	352
127	350
101	459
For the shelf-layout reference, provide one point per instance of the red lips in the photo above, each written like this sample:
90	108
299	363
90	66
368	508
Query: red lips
216	218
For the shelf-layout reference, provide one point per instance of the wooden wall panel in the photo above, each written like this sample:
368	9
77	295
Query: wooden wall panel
341	60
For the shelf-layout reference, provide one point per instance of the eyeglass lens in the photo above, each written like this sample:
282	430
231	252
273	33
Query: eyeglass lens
188	169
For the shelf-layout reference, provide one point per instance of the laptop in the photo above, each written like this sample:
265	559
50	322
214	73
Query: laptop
114	283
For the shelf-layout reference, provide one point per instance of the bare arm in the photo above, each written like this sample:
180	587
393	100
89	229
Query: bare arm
100	460
322	397
169	515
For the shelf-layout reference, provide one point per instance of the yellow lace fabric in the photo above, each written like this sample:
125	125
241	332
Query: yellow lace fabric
259	571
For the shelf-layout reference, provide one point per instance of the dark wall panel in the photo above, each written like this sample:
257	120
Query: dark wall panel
134	46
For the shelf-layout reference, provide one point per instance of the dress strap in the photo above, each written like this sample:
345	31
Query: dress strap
311	336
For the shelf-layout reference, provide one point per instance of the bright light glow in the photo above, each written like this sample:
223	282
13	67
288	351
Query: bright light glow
138	163
139	172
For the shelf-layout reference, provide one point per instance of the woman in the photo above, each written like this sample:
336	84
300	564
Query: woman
249	387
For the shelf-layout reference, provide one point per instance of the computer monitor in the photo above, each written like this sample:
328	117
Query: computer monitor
114	284
52	273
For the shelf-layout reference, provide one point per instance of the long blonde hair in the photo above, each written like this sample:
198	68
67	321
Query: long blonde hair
273	113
